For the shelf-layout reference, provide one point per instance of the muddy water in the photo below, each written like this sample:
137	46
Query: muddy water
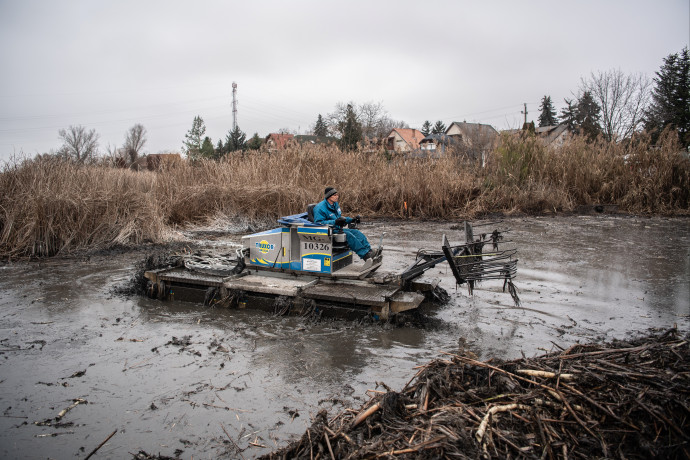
181	379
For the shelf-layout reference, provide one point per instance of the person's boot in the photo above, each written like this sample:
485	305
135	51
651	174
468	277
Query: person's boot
368	259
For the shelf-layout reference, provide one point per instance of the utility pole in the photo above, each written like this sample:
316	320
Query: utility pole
234	106
525	112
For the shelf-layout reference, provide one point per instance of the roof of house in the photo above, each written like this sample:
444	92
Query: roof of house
551	133
280	140
411	136
472	127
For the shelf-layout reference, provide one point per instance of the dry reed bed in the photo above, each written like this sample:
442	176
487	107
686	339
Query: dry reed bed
627	400
48	206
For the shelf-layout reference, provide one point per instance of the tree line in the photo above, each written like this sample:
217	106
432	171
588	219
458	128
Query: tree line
616	106
609	104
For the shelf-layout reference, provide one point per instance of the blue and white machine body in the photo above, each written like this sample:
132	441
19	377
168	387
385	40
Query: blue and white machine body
298	246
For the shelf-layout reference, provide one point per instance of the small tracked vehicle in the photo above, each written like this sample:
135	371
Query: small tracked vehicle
305	268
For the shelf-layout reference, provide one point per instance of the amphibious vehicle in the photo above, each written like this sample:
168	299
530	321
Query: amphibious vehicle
305	268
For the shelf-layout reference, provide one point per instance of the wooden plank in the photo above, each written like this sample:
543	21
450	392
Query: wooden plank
403	301
351	293
355	271
263	284
185	276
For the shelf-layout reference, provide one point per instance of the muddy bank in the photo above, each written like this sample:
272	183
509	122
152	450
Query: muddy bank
182	380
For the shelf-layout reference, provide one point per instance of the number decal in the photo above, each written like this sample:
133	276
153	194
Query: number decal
313	246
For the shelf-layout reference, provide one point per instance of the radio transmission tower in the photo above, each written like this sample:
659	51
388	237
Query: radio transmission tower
234	106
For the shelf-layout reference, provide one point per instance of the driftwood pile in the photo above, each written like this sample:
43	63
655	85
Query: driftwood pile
626	400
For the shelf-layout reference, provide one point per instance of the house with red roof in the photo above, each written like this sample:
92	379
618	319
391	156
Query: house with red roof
275	141
403	140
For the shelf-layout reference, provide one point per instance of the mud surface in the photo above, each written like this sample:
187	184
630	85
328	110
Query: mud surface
183	380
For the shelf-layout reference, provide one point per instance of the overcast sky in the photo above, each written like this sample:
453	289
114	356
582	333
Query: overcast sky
108	65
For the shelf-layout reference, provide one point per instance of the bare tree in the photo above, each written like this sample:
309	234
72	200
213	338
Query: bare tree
78	143
336	119
623	100
372	116
387	124
134	141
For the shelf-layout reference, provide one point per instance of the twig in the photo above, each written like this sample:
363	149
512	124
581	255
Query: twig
361	417
485	421
100	445
545	374
52	435
416	448
328	443
239	451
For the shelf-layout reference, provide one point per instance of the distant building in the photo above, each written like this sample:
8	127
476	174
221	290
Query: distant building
435	145
275	141
553	136
316	140
403	140
476	140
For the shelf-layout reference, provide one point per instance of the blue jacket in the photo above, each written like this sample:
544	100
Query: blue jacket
326	213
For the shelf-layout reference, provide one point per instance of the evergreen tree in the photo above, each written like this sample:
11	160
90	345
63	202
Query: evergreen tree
588	114
426	128
220	149
671	97
439	128
207	150
547	117
320	128
582	117
235	140
569	115
351	129
194	138
255	142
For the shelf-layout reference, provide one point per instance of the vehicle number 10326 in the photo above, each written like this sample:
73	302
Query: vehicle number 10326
310	246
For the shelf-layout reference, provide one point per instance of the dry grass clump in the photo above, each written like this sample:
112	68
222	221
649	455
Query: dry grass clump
48	206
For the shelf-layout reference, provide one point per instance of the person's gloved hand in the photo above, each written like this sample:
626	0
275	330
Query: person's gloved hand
340	222
358	219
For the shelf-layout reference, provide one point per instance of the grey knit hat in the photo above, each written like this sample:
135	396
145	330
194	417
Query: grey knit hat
329	192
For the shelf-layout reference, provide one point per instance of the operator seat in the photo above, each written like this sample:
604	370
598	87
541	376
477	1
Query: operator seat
310	212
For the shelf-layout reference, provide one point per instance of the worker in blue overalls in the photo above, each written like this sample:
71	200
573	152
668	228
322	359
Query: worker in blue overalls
327	212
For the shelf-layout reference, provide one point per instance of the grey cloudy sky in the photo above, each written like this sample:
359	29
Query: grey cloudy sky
107	65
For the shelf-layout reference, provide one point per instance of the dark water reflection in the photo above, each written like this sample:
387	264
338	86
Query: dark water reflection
170	376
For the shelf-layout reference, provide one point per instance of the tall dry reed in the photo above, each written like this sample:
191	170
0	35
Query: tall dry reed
48	206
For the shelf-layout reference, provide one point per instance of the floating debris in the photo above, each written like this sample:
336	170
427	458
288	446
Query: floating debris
620	400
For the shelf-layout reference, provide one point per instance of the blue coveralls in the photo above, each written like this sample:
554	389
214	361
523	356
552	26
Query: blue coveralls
326	214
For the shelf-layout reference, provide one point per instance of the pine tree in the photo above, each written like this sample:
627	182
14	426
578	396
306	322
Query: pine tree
671	97
439	128
582	117
547	117
194	138
255	142
569	115
320	128
426	128
235	140
220	149
351	129
207	150
588	114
